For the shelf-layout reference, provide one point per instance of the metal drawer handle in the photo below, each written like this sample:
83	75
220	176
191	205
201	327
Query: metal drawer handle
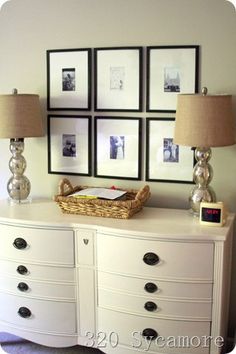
19	243
150	306
22	286
24	312
150	287
149	333
151	258
86	241
21	269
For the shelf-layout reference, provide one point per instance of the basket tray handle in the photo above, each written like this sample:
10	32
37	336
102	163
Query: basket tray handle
143	194
65	187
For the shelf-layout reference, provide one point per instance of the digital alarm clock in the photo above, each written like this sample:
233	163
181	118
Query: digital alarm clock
212	214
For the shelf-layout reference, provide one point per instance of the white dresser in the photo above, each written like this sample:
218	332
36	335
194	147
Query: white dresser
157	283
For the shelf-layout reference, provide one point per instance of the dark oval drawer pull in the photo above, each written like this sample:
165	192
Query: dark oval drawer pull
151	258
19	243
150	287
149	333
150	306
22	286
24	312
21	269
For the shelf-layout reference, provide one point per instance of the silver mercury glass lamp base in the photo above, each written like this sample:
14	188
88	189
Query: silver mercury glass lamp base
202	176
18	186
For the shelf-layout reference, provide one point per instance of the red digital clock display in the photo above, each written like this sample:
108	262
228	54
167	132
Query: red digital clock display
211	215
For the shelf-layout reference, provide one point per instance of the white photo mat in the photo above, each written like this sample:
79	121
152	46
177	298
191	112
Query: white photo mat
118	79
74	65
166	161
126	163
69	140
171	70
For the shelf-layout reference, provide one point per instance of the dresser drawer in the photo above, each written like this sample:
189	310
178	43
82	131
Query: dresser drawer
39	272
125	329
153	287
155	307
32	288
37	245
174	260
46	316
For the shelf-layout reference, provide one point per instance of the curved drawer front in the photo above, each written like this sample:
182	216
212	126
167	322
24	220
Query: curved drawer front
154	287
39	272
40	245
127	330
27	287
45	316
154	307
174	260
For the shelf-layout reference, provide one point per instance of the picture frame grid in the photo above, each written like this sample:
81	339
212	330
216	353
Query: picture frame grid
119	72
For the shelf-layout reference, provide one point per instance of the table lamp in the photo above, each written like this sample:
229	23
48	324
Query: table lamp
20	117
203	121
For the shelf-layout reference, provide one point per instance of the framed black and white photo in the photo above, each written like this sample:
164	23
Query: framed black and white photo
69	145
170	70
69	79
118	79
117	149
165	160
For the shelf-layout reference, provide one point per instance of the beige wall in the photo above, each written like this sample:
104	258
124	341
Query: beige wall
29	27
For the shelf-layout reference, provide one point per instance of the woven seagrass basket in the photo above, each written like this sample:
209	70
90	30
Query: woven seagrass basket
120	209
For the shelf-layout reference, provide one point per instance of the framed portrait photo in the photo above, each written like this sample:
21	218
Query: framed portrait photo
117	149
170	70
69	79
69	145
118	79
166	161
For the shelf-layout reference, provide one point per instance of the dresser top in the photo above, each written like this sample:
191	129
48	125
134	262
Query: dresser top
149	222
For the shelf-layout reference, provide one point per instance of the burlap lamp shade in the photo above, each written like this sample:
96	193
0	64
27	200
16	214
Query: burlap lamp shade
20	116
204	120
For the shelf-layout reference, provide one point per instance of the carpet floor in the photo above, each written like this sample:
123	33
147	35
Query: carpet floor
15	345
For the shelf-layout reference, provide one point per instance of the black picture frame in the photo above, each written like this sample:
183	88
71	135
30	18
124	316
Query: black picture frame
166	161
69	144
69	79
170	70
118	79
117	147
